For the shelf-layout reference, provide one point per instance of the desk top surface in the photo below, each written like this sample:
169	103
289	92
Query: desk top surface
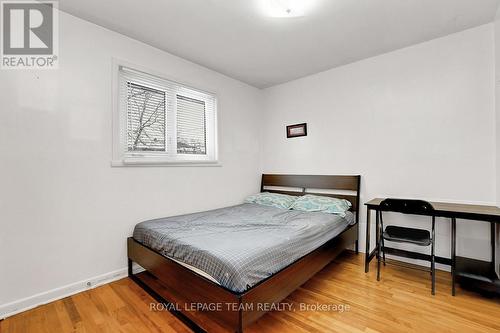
458	210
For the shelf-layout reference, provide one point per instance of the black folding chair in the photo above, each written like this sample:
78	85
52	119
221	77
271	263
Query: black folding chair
406	235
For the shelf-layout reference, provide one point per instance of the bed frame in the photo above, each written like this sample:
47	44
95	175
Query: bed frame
206	306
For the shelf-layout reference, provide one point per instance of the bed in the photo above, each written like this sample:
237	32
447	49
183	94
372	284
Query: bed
224	268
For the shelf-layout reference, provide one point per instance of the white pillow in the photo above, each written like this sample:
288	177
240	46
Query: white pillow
272	199
316	203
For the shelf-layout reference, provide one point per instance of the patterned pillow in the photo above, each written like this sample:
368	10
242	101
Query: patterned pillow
272	199
315	203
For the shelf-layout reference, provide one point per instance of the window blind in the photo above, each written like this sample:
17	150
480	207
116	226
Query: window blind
191	126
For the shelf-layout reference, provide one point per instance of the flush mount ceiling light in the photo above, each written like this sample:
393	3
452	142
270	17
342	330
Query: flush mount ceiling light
285	8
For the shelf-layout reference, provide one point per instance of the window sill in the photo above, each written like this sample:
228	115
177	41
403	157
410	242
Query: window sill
163	163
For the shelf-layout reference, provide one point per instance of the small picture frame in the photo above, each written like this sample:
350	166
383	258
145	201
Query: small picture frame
294	131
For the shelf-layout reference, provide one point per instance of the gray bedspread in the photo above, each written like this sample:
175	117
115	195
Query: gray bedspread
240	245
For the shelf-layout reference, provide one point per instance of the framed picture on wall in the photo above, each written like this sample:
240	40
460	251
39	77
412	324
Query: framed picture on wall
293	131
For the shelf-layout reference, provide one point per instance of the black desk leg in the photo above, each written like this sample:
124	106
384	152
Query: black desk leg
453	252
493	247
377	232
367	236
377	238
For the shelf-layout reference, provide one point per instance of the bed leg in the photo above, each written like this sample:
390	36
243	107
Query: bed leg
239	329
356	247
129	267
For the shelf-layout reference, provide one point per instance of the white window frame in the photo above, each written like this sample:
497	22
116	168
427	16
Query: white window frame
169	158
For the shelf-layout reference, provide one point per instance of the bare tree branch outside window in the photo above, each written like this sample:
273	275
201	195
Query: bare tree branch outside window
146	118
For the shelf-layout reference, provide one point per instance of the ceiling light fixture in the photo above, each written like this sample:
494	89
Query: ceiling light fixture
285	8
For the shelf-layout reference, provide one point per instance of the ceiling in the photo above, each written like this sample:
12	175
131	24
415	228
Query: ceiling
237	38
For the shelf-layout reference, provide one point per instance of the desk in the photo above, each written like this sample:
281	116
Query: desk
480	274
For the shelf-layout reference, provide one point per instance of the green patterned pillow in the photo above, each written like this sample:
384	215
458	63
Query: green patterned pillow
272	199
316	203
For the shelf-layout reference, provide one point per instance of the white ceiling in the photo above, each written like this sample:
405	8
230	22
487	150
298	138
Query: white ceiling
236	38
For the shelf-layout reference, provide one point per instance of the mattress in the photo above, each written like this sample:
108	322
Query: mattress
196	270
239	246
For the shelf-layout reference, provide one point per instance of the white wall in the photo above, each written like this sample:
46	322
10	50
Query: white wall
65	212
418	122
497	107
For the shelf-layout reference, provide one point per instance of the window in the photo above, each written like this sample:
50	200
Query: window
191	124
145	118
162	122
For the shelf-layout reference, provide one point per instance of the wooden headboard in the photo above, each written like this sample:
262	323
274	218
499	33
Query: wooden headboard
347	186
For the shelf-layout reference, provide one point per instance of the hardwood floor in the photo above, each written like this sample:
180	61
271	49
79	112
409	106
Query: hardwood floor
400	302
